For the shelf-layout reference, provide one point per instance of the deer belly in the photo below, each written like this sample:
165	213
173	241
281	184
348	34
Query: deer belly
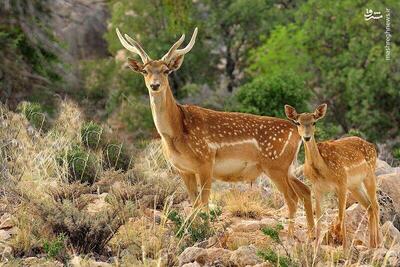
233	170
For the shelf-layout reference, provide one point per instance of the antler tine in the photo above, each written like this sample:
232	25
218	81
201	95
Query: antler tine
189	46
134	49
138	46
173	48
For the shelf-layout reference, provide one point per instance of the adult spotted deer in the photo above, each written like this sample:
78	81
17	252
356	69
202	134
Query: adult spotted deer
340	165
203	144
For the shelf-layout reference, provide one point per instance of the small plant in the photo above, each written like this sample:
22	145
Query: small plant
34	113
269	254
54	248
115	156
197	228
92	135
82	165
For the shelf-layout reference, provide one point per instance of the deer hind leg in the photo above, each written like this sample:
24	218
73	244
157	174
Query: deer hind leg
191	185
281	181
373	210
361	196
305	195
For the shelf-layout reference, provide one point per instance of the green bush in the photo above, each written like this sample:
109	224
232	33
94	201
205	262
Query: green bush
396	153
267	95
115	156
92	135
82	165
34	113
54	248
269	254
198	228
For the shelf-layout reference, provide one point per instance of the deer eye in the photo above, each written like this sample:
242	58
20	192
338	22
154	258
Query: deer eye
166	72
314	123
297	123
144	72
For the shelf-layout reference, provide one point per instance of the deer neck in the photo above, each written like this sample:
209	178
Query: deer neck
166	113
313	155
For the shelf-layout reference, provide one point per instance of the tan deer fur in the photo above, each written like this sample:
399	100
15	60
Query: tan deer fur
203	144
345	164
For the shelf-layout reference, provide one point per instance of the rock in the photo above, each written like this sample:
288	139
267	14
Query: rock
390	184
390	234
78	261
192	264
218	257
382	167
245	255
193	254
5	234
98	204
357	224
38	262
6	221
387	210
81	24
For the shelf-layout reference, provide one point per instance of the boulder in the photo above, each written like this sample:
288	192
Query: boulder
193	254
390	234
390	184
382	167
98	204
244	256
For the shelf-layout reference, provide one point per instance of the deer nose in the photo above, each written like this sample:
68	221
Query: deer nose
307	138
155	86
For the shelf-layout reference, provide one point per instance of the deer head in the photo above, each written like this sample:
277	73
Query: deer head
156	72
305	121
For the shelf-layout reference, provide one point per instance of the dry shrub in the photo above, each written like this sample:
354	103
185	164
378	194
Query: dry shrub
249	203
142	240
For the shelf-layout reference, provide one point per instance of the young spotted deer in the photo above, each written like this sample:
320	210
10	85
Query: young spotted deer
203	144
340	165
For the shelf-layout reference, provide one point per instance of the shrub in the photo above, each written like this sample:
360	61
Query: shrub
115	156
197	227
34	113
267	95
82	165
269	254
54	248
92	135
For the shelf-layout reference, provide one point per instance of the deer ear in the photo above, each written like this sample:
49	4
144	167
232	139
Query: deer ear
175	63
291	113
135	65
320	111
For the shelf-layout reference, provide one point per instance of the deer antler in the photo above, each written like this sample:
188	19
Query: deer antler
174	52
133	46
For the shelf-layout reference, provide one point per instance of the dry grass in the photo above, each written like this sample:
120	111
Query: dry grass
247	203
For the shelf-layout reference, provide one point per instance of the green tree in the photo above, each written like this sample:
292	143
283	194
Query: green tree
341	56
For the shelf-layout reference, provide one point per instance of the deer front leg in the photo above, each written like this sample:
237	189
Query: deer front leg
205	178
340	226
191	186
318	213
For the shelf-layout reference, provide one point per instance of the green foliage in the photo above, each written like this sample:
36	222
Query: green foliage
272	257
396	153
341	57
269	254
267	95
82	165
115	156
273	232
54	248
197	228
34	113
92	135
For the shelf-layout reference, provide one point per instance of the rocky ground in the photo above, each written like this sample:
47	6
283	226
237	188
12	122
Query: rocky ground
47	220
